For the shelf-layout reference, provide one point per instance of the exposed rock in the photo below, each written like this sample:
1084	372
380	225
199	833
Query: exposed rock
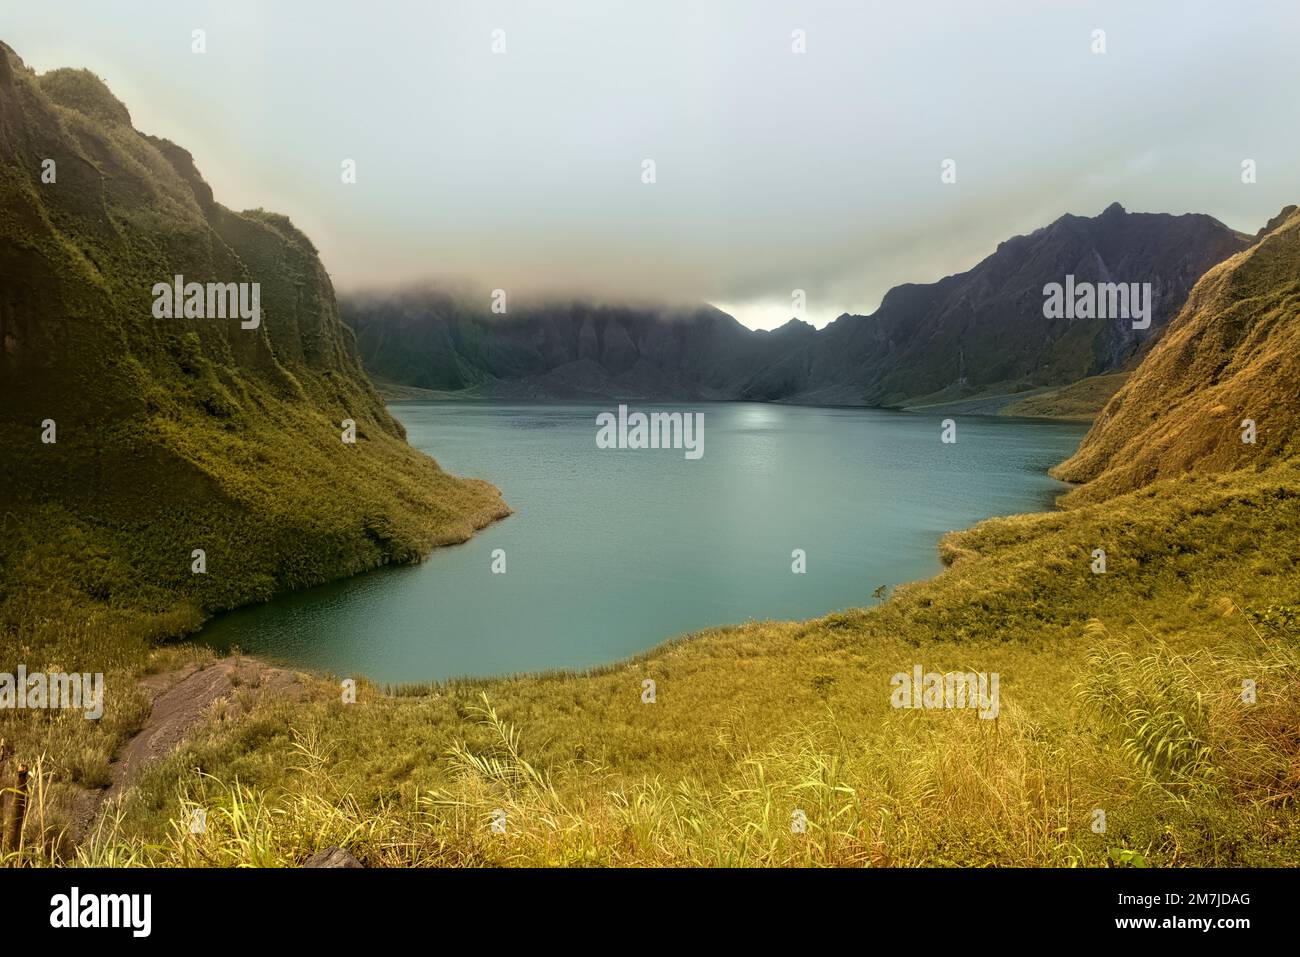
332	857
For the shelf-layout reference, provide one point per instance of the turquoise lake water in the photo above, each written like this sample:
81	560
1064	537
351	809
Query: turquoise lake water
611	551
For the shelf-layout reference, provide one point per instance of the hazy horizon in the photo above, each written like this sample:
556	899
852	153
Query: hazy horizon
775	170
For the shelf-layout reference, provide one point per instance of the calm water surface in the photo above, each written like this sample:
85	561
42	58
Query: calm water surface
610	552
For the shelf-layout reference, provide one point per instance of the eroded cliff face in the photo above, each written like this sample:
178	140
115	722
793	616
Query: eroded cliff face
97	213
136	437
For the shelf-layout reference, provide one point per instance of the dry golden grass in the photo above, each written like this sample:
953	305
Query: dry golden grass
1079	401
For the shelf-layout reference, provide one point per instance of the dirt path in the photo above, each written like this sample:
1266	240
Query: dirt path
181	699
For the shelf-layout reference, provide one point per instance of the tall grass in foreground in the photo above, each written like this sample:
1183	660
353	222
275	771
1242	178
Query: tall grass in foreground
1169	752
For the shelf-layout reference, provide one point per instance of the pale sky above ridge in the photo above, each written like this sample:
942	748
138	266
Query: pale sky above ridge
774	170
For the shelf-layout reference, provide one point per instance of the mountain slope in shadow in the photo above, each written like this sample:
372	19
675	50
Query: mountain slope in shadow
968	333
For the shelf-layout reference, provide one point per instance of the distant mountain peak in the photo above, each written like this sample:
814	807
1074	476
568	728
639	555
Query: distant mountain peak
794	325
1276	221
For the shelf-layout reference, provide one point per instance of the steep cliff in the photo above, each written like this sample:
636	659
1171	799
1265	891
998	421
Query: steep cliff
132	439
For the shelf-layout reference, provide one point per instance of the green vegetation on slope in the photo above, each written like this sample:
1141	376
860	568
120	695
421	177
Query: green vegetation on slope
171	434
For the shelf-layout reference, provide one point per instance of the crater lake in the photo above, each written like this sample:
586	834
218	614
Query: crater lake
611	551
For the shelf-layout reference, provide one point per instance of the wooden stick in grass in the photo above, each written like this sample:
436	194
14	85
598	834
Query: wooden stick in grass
17	811
4	794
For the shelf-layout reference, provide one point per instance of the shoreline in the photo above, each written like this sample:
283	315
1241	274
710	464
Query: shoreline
999	405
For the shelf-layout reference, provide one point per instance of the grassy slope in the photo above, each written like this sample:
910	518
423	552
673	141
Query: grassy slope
172	434
1232	354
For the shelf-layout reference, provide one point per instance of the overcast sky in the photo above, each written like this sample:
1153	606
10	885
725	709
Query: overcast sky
774	170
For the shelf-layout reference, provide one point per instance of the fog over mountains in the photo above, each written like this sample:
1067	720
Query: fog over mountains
937	341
